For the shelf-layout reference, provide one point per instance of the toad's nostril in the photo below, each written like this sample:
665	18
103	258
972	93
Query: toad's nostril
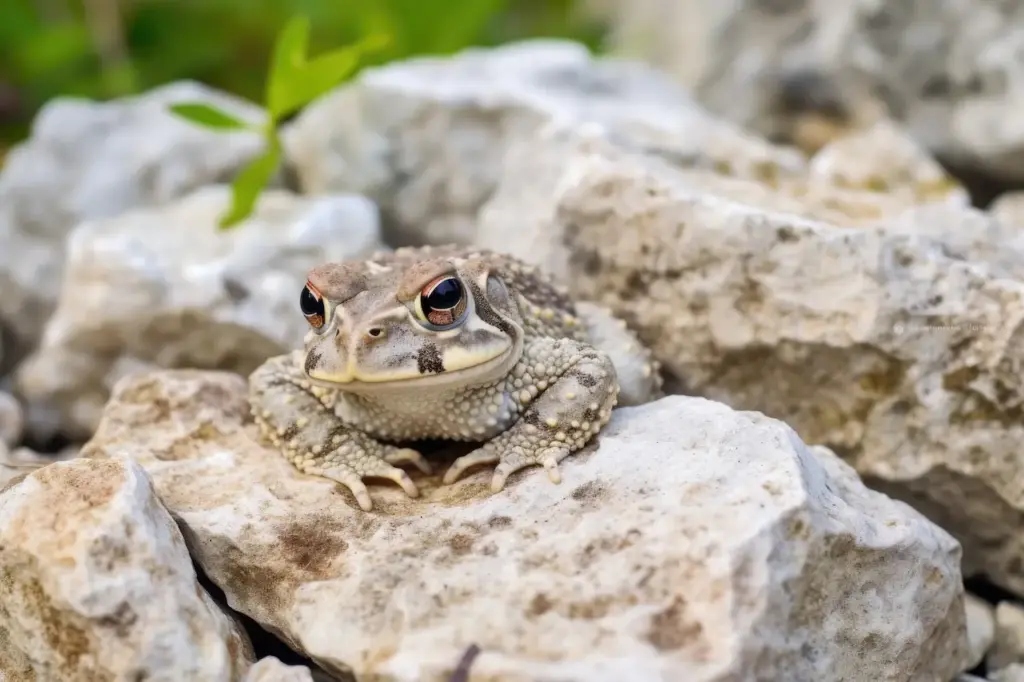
374	332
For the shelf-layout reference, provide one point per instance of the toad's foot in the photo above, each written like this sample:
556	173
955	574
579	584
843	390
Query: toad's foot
577	390
310	435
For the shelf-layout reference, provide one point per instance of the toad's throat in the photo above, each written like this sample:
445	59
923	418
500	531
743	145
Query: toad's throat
432	367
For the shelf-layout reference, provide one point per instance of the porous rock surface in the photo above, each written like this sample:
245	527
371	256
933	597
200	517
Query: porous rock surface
855	182
425	137
96	583
91	160
694	542
16	462
896	342
163	287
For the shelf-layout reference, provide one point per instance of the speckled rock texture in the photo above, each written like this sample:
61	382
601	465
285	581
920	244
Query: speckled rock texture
96	584
16	462
425	137
883	177
950	71
91	160
693	542
163	287
896	342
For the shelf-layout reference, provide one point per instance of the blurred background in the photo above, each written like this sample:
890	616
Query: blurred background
799	72
108	48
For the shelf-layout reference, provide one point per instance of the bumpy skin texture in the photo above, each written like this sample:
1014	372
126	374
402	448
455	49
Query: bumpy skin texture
508	365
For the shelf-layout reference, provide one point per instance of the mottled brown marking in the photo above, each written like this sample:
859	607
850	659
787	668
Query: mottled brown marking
121	620
312	360
149	394
671	629
532	417
94	484
595	608
265	584
428	360
311	546
62	636
539	605
607	545
590	491
460	543
499	522
585	379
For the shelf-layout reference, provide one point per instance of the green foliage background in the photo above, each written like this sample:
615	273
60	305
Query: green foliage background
106	48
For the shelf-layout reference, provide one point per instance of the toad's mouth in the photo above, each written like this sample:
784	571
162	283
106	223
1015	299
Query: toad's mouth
466	373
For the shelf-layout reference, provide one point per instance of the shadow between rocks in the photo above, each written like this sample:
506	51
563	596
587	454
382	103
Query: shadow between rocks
263	642
983	188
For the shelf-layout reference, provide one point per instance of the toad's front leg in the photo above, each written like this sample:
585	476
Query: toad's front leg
567	391
292	416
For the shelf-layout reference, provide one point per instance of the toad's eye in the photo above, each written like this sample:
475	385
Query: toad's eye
442	303
312	305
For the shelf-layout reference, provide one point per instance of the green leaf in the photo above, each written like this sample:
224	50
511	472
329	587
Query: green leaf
317	77
288	57
246	188
208	116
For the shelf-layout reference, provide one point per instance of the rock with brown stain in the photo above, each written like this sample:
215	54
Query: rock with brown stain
691	542
898	343
19	462
96	583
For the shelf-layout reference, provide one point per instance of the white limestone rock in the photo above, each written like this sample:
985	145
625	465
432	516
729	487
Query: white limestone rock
96	583
163	287
693	542
896	342
88	160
